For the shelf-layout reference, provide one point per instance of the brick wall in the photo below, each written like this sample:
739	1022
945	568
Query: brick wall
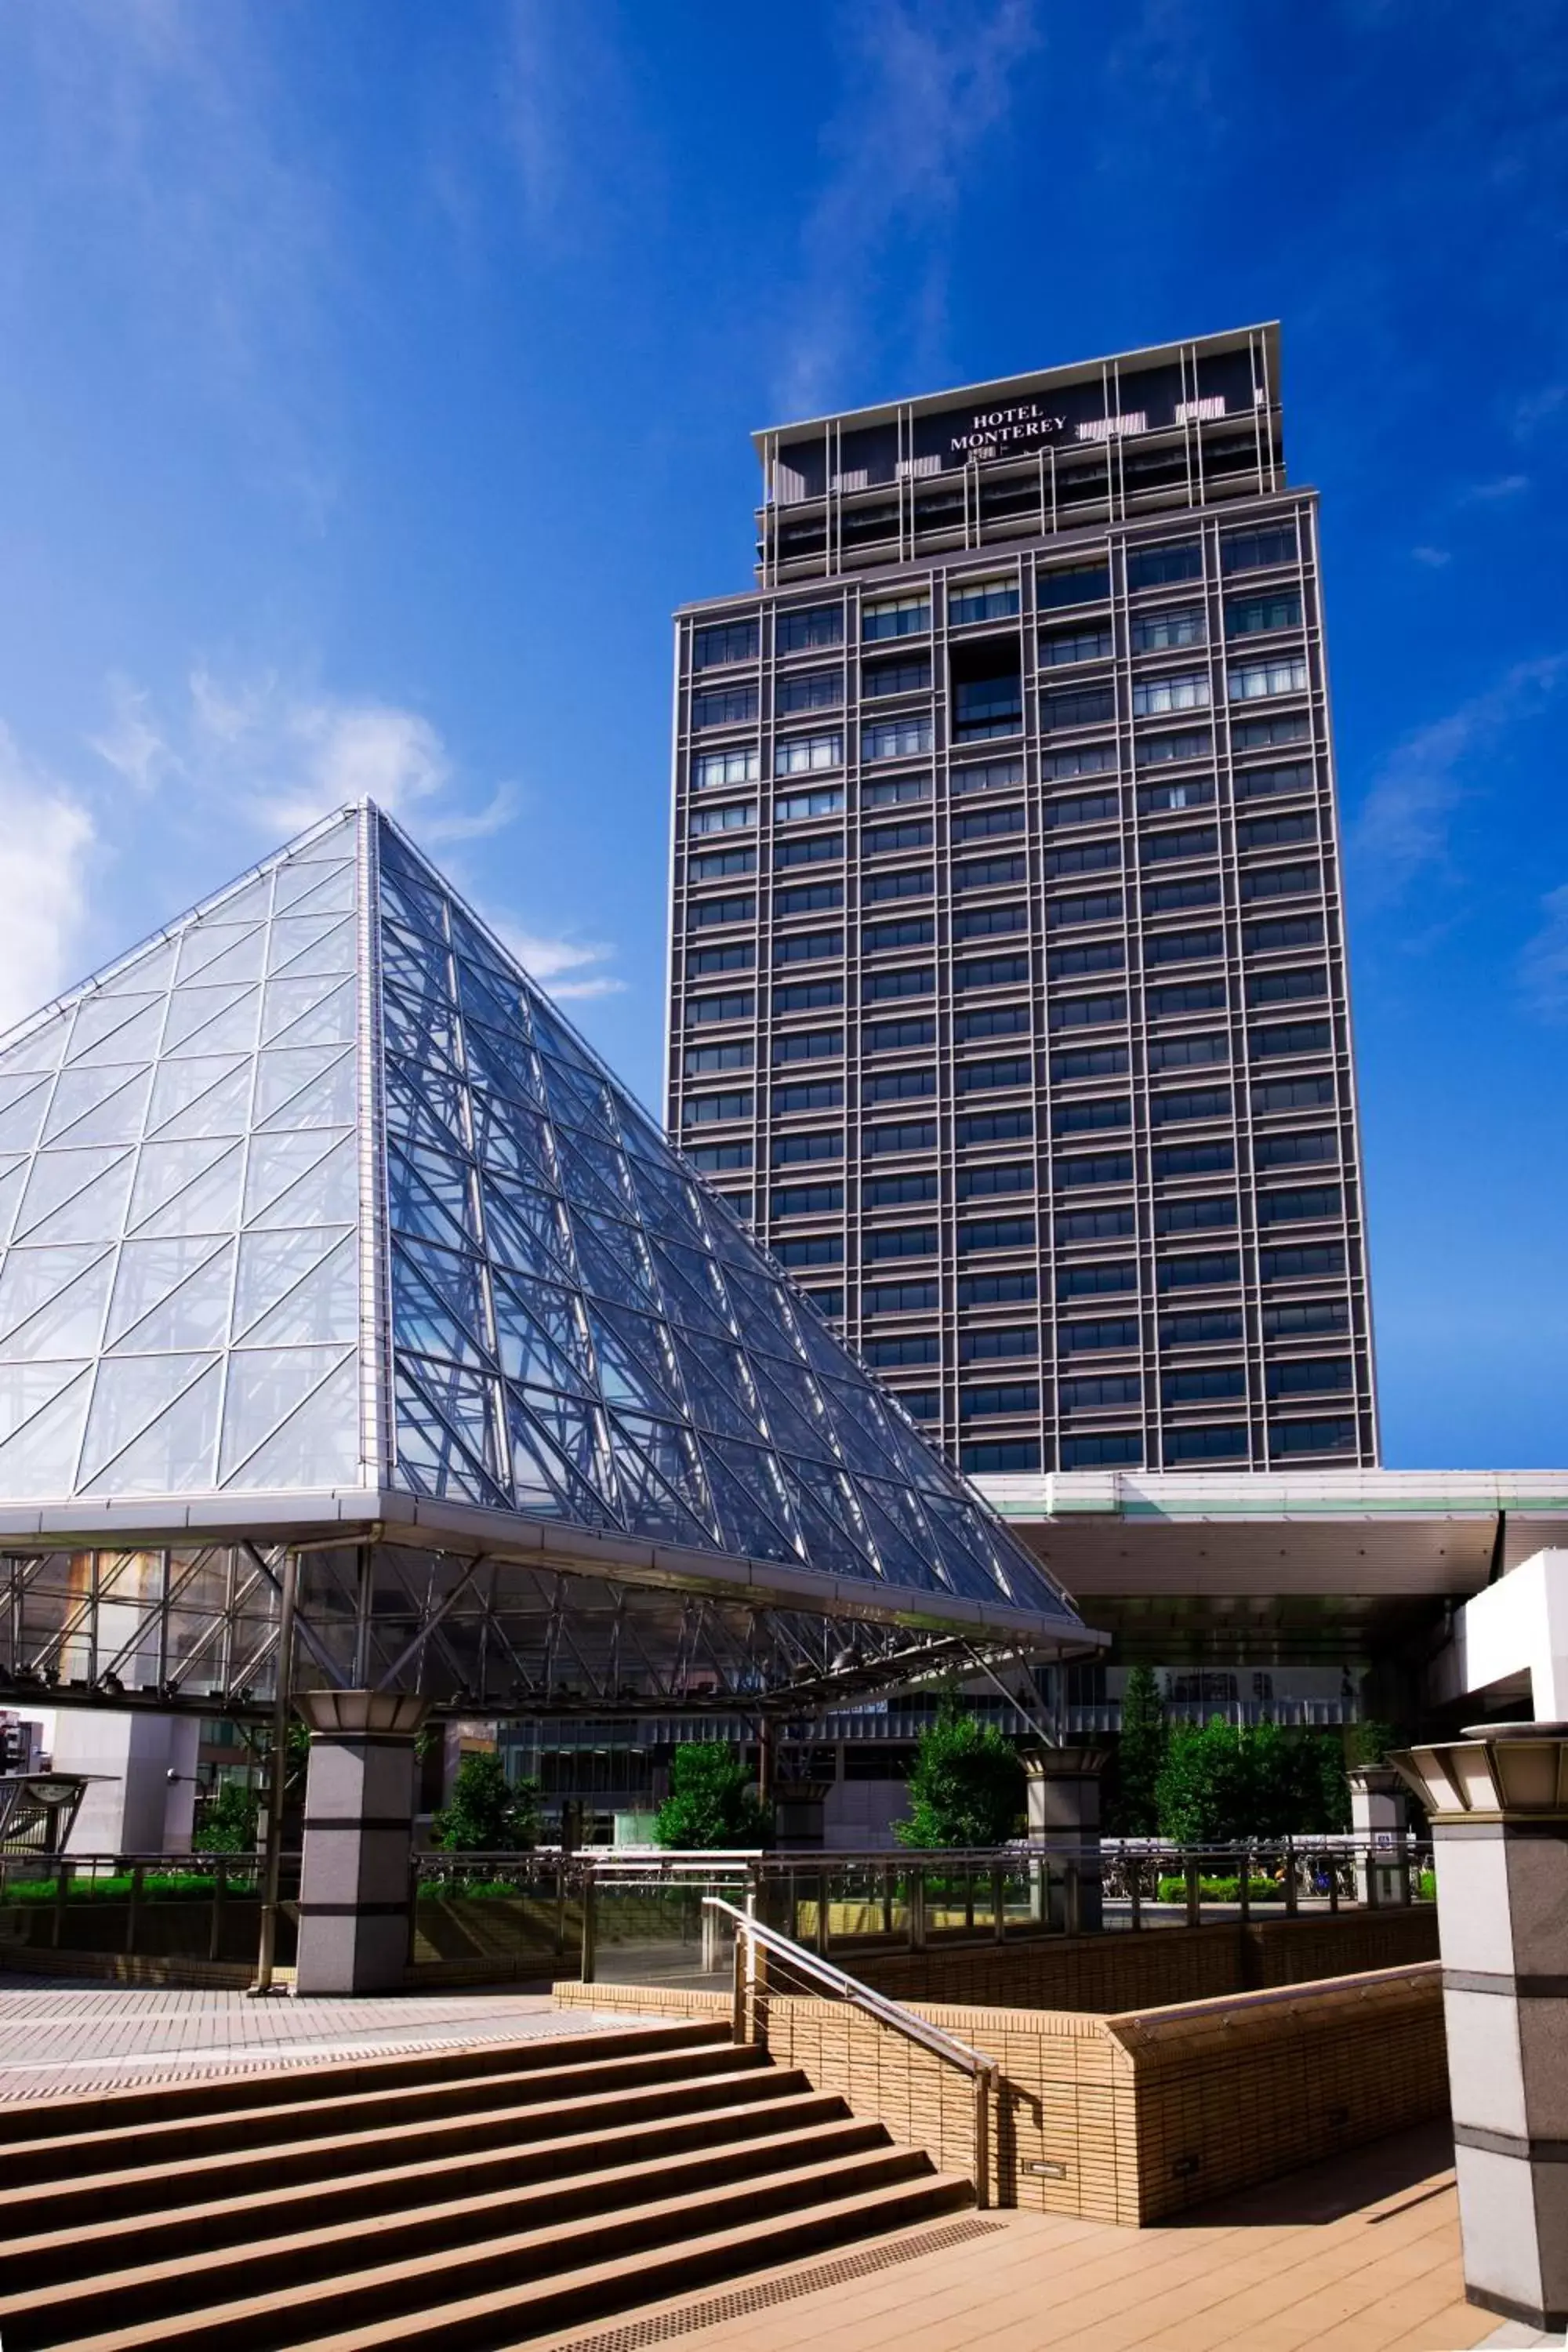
1124	2118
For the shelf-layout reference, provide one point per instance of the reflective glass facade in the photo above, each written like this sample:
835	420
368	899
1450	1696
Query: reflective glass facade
1071	1059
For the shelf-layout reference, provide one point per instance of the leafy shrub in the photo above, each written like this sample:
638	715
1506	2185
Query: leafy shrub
711	1801
966	1787
487	1813
1223	1782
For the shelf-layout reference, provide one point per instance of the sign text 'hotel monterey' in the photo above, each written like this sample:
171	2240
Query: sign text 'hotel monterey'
1024	421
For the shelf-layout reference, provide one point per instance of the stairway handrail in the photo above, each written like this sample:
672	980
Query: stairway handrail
981	2070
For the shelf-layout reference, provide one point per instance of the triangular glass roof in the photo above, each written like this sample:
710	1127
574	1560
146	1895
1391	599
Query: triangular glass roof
319	1191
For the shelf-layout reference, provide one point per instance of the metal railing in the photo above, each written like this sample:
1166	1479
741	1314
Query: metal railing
754	1945
169	1906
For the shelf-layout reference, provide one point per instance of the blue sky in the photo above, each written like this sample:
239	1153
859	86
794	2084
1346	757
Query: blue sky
378	375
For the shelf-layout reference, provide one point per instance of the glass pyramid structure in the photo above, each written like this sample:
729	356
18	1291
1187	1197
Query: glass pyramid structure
317	1194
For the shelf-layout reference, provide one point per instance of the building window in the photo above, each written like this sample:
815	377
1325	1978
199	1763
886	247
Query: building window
1194	1216
921	1404
736	819
812	689
900	1192
1000	1457
798	804
896	739
993	971
736	955
996	1233
809	629
1291	1037
898	1086
993	1021
898	1037
1171	897
1173	1110
716	863
1093	1168
1196	792
910	1135
701	1060
1080	962
880	838
808	995
1252	551
738	766
740	1006
894	792
987	823
974	1078
901	1297
989	776
1087	1012
1091	907
1158	750
1093	1062
1291	1094
1280	881
721	911
813	1093
1170	632
900	1241
982	600
1095	707
725	641
1255	615
1107	1449
896	678
1188	1053
990	922
1221	1442
990	1346
806	1199
725	705
911	1347
1091	1117
1088	585
1018	1289
807	946
915	931
809	1045
986	874
878	986
1104	1389
1311	1437
1260	679
808	898
1191	996
998	1397
895	616
1090	808
1206	1328
1157	567
1253	783
995	1181
791	1150
810	1249
1189	841
1093	1338
1306	1201
1310	1262
1094	1225
816	849
1287	987
1194	1160
1310	1376
1157	698
1183	947
1265	734
1202	1273
1078	759
711	1158
1081	857
1077	646
801	755
1307	1321
703	1110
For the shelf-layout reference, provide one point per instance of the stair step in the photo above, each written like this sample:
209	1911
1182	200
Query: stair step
497	2273
285	2165
156	2103
410	2106
437	2205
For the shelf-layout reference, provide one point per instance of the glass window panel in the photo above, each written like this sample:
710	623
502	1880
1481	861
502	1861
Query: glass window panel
266	1385
612	1257
136	1040
560	1459
446	1430
515	1141
549	1347
308	1013
11	1183
760	1475
31	1279
67	1323
222	1109
40	1458
242	958
27	1388
57	1178
165	1169
719	1385
277	1161
429	1110
660	1475
582	1181
317	1445
99	1018
693	1290
175	1455
455	1279
506	1065
148	975
20	1121
306	1086
79	1091
431	1198
323	1306
636	1364
151	1272
194	1315
271	1266
119	1118
299	944
327	1195
212	1021
827	1546
251	903
179	1082
130	1394
41	1048
208	943
208	1204
316	889
901	1562
744	1526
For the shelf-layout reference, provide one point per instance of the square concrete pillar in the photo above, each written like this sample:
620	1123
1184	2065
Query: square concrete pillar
1064	1819
1377	1821
360	1791
1498	1802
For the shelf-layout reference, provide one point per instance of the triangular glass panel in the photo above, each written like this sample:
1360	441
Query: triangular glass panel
314	887
279	1159
636	1362
447	1448
327	1195
431	1195
27	1388
145	974
902	1561
796	1424
251	902
275	1268
564	1442
174	1453
317	1445
301	944
515	1141
79	1091
195	1314
12	1179
99	1018
308	1013
503	1064
693	1290
165	1169
40	1458
56	1179
539	1335
131	1394
825	1543
20	1121
40	1048
614	1258
324	1096
719	1385
429	1111
180	1084
437	1304
194	1014
763	1309
242	958
747	1527
265	1387
526	1230
51	1303
207	1203
659	1472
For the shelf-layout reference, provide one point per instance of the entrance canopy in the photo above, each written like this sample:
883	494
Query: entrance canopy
320	1227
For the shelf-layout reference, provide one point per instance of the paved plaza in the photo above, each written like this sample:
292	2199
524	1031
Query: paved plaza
57	2039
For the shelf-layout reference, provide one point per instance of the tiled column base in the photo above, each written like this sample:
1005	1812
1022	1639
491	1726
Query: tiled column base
359	1828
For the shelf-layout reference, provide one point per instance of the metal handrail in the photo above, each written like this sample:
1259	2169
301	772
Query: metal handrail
981	2070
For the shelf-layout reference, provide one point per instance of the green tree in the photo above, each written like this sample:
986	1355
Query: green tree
228	1824
711	1801
488	1812
1140	1754
966	1787
1221	1782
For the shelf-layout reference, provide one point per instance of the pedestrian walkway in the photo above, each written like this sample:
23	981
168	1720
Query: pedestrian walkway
60	2039
1358	2256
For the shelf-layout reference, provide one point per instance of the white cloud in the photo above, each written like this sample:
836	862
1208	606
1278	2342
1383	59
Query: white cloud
925	83
47	839
1402	822
1537	408
1543	963
1433	558
561	966
1503	486
132	743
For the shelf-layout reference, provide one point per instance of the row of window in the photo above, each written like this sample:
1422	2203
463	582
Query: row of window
813	628
1287	1440
1289	1375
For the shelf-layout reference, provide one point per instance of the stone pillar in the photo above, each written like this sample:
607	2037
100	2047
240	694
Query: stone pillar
1498	1798
1064	1819
359	1838
1377	1819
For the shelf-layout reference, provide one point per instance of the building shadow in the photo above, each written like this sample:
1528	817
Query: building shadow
1377	2180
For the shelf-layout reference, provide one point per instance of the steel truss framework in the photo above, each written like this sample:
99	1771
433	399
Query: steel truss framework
196	1631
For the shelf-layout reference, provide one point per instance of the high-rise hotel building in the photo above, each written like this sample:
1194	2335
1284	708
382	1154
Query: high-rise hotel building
1008	995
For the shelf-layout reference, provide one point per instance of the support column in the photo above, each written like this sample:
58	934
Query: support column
359	1835
1377	1819
1499	1804
1064	1819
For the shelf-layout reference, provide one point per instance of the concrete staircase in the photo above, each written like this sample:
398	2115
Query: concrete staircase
469	2201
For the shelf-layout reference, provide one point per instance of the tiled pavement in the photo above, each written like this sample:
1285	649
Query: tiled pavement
1360	2255
57	2039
